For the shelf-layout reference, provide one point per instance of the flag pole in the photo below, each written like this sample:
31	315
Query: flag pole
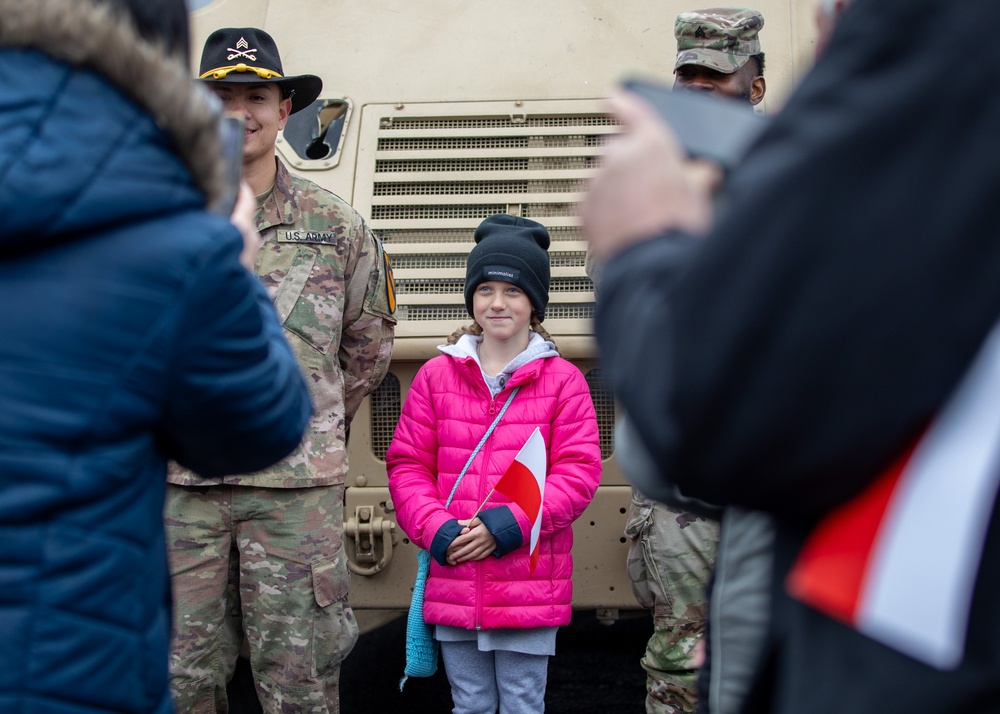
492	491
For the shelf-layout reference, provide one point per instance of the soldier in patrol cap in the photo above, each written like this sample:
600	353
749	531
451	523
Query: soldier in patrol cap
672	551
718	51
260	556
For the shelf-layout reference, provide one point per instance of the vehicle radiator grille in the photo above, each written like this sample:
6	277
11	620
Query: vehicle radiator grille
428	174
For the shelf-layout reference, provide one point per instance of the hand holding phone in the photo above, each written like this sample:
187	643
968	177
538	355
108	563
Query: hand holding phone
645	185
231	138
708	127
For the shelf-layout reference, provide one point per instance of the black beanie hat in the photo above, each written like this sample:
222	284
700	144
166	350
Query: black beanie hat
514	250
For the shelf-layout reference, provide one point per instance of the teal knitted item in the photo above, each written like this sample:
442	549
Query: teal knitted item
421	647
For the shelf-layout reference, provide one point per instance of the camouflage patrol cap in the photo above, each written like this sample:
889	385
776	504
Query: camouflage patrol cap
721	38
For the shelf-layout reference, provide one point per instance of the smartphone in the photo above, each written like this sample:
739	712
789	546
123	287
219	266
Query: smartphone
708	127
231	138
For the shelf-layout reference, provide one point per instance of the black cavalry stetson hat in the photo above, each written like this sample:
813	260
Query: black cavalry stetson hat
248	54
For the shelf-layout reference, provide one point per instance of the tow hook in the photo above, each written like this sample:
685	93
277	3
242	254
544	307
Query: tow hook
370	535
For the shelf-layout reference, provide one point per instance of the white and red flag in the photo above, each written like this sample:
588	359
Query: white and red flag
899	562
524	483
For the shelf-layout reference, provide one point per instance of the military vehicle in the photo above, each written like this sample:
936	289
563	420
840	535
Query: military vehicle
436	114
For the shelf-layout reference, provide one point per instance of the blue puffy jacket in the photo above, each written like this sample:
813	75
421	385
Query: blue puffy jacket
130	334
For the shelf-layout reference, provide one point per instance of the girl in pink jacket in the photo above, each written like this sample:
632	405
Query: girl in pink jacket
495	617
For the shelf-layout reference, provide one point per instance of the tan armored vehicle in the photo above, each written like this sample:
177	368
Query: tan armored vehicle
436	114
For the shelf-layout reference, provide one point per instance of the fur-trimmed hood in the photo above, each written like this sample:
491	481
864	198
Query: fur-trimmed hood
64	130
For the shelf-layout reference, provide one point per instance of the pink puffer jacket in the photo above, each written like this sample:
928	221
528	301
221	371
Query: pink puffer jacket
446	413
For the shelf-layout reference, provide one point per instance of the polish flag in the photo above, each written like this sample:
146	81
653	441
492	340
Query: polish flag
524	483
881	564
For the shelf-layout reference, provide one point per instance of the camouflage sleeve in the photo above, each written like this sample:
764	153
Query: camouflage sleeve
366	342
593	269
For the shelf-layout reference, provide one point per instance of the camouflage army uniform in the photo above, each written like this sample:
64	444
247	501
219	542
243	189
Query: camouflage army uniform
670	560
672	552
331	286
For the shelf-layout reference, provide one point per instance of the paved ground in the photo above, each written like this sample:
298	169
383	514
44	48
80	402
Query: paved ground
595	670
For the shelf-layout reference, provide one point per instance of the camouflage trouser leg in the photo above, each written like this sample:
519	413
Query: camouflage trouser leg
293	583
203	650
670	561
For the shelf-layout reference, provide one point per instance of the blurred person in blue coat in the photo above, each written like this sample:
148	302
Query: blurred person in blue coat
133	334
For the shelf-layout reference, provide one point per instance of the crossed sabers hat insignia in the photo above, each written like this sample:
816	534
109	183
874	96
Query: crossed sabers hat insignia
242	49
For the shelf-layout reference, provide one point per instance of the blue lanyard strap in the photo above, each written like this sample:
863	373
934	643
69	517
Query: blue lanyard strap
480	446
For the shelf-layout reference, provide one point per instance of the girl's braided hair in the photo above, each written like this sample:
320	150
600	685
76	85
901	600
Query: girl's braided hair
476	330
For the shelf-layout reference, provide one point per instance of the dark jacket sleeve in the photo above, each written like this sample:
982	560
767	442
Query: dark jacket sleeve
237	402
502	525
836	304
447	533
640	361
642	472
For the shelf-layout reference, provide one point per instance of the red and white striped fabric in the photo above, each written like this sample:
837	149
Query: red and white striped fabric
524	483
899	562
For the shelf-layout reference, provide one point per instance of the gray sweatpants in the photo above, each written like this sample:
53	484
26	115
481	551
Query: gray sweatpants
482	681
